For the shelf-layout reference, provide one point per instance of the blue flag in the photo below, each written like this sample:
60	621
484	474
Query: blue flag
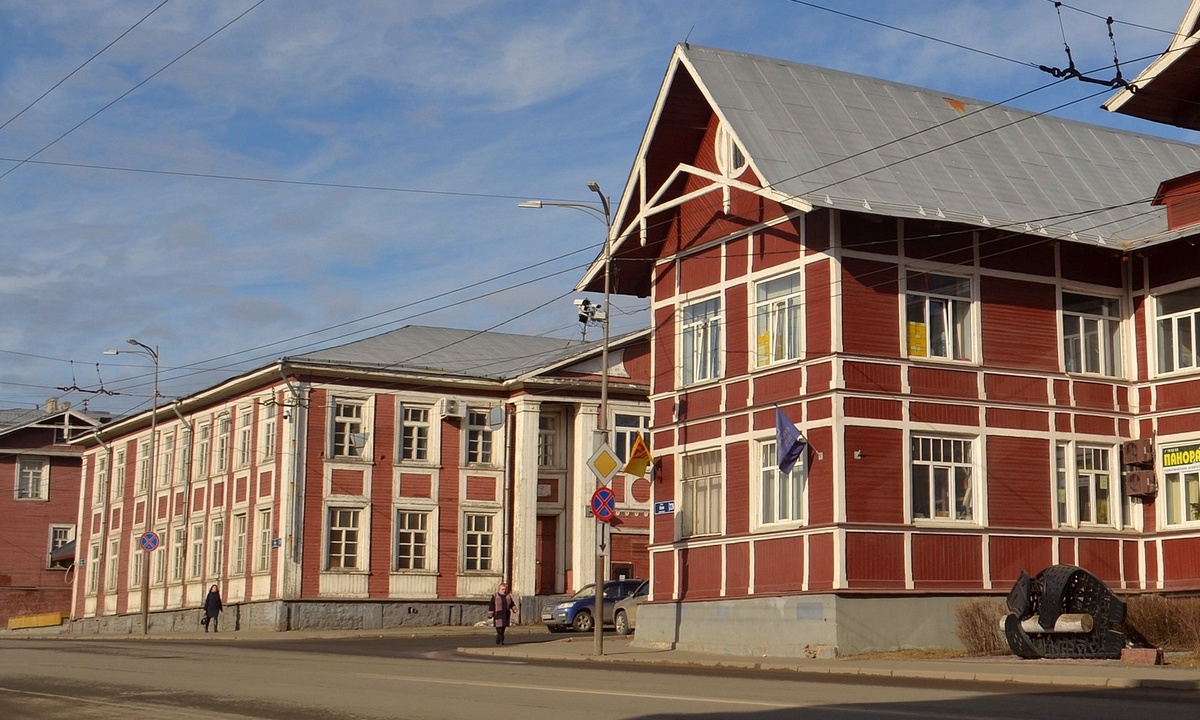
789	445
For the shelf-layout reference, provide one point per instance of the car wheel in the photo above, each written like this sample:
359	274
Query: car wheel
583	621
622	623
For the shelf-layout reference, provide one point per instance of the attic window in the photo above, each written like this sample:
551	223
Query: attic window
730	158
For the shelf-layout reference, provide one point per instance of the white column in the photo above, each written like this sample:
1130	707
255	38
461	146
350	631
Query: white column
524	506
582	483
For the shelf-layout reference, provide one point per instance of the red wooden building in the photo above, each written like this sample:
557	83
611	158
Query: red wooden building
394	480
969	311
39	508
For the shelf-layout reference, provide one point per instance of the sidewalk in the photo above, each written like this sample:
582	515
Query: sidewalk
1006	669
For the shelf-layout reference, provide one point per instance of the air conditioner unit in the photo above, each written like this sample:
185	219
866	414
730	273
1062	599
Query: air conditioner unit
1138	452
454	407
1141	483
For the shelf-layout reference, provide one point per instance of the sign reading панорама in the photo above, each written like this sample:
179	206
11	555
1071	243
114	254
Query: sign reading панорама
1181	457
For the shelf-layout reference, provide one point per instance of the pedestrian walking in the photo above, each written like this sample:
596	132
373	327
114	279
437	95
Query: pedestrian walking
212	608
501	611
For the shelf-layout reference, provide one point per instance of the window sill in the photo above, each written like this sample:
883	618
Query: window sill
959	362
782	526
784	364
946	523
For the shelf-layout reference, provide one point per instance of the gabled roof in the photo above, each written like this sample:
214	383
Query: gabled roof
825	138
60	418
453	353
1168	90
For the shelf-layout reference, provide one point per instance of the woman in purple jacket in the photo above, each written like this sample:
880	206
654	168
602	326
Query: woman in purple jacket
501	610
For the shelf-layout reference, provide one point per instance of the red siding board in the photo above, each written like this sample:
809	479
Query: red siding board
737	569
700	572
947	561
778	565
1102	558
939	413
874	482
777	245
870	233
699	271
1018	484
1019	324
1095	425
821	562
664	576
871	377
1015	388
776	387
817	319
737	488
875	561
1008	556
1181	564
926	381
699	432
1095	396
737	359
820	476
1018	419
873	408
947	243
1000	250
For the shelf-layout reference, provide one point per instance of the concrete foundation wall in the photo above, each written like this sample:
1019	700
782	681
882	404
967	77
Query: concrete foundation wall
799	625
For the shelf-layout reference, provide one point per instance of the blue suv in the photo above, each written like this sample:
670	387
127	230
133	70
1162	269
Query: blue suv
577	611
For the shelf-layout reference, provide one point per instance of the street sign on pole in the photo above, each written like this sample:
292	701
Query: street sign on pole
603	545
148	541
605	463
604	504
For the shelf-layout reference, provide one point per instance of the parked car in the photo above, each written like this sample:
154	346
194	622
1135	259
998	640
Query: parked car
625	611
577	611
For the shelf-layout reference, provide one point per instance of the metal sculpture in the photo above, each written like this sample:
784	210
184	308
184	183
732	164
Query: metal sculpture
1066	612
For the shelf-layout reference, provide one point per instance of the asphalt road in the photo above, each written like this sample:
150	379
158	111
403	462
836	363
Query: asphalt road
420	678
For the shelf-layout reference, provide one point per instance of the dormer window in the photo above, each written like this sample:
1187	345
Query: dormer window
730	158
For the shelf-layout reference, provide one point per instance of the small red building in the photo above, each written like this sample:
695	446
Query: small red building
39	508
390	481
980	323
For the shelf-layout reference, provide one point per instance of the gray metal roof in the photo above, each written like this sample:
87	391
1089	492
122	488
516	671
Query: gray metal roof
875	146
416	349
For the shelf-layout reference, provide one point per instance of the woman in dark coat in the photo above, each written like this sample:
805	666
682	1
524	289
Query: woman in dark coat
212	608
501	610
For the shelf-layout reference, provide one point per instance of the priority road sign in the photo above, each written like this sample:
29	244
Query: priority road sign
604	504
148	541
605	463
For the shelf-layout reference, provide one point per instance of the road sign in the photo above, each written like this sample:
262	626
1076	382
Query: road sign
664	508
604	504
148	541
603	545
605	463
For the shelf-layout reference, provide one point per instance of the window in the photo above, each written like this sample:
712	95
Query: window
1085	485
477	542
197	554
414	434
33	481
781	497
479	438
349	439
60	535
777	319
262	557
412	540
626	428
160	562
1181	484
216	555
237	559
548	441
343	539
701	494
942	477
268	438
93	569
203	452
939	316
222	450
1177	321
143	466
179	548
1091	334
110	571
730	158
166	473
100	486
701	341
118	485
245	432
135	564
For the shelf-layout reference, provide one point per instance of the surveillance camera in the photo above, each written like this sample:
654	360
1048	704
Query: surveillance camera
580	302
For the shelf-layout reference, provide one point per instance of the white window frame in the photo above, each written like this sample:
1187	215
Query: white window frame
237	544
268	437
702	493
1085	475
406	540
221	449
781	501
118	483
159	568
1174	356
415	441
100	483
478	538
32	478
480	447
1091	339
202	463
196	553
942	455
626	427
731	159
166	451
216	556
60	535
143	467
700	341
550	446
345	539
112	564
349	428
93	569
178	551
952	337
778	320
264	534
245	438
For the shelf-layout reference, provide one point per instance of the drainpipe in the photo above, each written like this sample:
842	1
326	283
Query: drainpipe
187	497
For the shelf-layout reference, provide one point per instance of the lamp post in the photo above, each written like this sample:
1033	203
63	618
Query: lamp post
152	353
598	608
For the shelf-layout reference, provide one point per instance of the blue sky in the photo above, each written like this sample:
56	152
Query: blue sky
389	144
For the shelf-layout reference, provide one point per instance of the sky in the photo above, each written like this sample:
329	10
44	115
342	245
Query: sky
235	181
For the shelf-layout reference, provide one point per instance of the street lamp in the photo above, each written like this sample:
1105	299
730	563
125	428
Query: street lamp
152	353
598	608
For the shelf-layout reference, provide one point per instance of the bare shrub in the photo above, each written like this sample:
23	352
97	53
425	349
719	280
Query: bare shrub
977	626
1171	623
